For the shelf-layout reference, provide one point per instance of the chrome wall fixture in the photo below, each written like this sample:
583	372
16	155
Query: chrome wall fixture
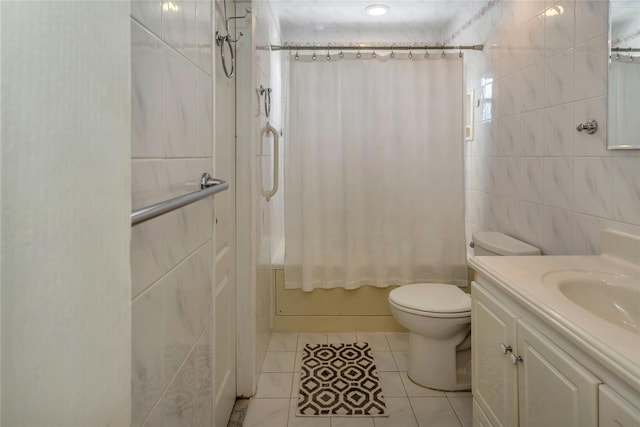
221	40
374	47
266	92
590	127
208	187
622	50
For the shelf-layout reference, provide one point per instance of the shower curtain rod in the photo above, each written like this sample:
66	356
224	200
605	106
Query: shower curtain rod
625	49
373	47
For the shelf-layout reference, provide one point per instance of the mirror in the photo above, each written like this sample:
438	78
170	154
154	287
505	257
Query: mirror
624	75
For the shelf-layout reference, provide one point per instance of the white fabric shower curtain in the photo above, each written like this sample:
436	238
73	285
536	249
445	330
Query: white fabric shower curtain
374	173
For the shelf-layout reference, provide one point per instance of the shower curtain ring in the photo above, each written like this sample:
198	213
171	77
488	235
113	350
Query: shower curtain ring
426	52
410	53
373	55
328	55
460	52
393	55
314	57
341	55
358	55
443	55
297	57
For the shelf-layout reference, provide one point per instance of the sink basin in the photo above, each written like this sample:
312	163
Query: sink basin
611	297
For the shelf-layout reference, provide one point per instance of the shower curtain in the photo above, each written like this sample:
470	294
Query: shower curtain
374	173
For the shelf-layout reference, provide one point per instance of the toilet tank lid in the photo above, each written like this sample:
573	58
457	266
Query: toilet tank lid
502	244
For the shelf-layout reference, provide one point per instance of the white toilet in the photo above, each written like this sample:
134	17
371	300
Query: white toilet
438	318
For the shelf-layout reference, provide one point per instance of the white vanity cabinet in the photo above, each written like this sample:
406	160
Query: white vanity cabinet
616	411
493	377
520	377
553	389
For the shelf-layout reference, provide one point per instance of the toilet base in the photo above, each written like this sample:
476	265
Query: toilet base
433	362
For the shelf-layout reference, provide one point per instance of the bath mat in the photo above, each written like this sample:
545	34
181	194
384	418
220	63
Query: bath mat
339	380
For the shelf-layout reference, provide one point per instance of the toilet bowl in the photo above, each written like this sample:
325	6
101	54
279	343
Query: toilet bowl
438	318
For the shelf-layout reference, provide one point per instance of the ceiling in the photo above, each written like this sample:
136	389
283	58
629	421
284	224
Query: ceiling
344	15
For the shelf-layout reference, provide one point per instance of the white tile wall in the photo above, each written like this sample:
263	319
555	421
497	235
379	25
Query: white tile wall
533	176
172	144
257	67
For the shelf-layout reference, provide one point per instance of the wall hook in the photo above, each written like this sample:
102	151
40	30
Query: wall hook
591	127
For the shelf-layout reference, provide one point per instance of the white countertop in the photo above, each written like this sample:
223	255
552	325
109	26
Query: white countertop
617	349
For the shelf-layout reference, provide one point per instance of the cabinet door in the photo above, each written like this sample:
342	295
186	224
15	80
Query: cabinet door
554	389
494	377
615	411
479	417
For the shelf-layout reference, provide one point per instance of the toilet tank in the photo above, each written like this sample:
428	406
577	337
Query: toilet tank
491	243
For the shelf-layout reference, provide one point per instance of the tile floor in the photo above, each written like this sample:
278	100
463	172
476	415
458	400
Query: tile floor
409	405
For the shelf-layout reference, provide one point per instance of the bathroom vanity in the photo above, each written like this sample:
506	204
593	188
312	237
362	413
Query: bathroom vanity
556	340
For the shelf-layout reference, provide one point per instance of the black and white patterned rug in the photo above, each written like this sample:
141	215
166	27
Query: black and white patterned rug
339	380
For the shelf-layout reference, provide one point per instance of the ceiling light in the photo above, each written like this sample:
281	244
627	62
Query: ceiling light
377	9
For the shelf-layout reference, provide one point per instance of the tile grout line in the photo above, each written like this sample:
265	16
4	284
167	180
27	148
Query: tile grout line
454	411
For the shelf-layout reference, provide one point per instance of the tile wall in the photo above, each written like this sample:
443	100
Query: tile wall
172	255
257	67
307	36
529	173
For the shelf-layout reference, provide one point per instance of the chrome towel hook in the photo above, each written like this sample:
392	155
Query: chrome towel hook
591	127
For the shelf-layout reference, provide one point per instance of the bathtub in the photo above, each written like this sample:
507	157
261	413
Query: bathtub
328	310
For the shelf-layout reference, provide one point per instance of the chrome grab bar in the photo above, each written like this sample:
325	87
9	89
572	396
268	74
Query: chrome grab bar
208	187
276	160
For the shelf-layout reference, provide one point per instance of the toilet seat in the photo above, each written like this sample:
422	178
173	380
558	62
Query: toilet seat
431	300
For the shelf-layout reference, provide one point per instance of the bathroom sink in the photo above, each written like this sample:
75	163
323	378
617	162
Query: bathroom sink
611	297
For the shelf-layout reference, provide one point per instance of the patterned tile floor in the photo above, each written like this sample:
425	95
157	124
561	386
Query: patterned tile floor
409	405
